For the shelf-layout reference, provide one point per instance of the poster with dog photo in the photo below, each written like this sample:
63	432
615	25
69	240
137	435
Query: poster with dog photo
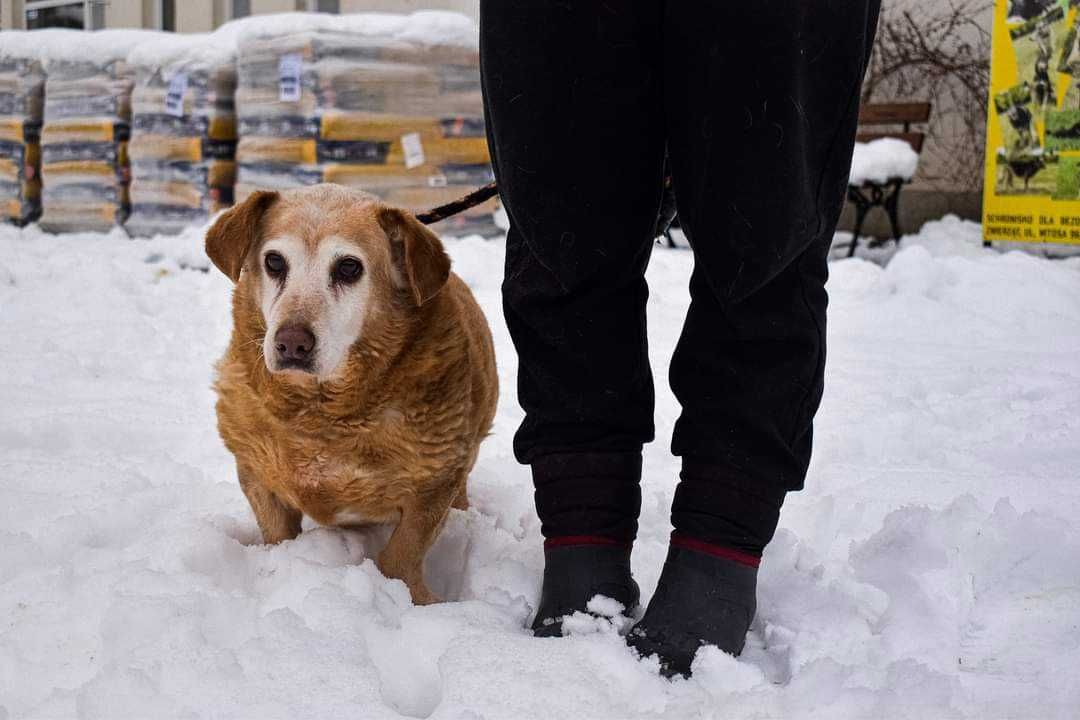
1038	44
1032	182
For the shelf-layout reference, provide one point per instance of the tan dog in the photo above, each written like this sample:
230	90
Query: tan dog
360	378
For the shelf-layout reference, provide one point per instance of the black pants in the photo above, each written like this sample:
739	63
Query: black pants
756	103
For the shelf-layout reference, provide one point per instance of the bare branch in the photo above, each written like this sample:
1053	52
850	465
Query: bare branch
939	53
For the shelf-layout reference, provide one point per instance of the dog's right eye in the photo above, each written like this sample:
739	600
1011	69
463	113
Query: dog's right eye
275	264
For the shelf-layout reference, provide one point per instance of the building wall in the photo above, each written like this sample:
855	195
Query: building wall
11	14
262	7
197	15
129	14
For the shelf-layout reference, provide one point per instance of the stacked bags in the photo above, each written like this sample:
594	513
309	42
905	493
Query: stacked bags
183	139
87	122
22	81
148	123
389	104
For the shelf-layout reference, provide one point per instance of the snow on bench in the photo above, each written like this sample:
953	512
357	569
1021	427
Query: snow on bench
882	160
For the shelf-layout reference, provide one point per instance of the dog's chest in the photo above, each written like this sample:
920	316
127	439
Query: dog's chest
336	489
352	478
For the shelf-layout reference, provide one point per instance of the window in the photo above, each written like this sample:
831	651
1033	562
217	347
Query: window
241	8
61	16
97	14
167	15
75	14
326	6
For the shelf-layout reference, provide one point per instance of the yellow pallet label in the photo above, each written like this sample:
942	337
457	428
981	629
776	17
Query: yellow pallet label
180	194
362	175
298	151
77	131
165	147
79	214
12	130
12	208
375	126
9	169
222	127
442	151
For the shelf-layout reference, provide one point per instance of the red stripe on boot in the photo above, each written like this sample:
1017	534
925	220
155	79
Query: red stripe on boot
720	551
564	540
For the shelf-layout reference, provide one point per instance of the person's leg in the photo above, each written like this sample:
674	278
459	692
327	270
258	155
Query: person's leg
574	114
762	100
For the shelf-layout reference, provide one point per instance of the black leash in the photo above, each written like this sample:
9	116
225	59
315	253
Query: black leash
460	205
482	194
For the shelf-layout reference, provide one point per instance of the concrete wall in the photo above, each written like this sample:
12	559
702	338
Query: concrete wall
261	7
197	15
916	207
11	14
129	14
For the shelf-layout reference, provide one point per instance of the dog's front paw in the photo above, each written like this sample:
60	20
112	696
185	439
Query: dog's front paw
413	579
421	595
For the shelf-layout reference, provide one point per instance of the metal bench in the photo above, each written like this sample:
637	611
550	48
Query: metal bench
886	195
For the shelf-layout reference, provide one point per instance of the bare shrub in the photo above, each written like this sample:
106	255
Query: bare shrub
939	52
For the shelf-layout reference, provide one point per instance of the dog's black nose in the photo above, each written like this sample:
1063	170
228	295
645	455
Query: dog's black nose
294	342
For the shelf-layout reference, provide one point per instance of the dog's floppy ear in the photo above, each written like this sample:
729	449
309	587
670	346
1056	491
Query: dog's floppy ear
230	238
421	265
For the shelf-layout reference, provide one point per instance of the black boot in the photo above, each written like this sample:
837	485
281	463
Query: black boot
706	596
574	574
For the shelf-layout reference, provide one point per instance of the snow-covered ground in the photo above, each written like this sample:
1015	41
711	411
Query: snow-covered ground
930	569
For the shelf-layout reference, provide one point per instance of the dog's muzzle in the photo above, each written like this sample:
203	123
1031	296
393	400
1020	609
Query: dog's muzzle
295	347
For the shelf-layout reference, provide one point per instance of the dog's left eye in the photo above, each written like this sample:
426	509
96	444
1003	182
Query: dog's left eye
347	270
275	265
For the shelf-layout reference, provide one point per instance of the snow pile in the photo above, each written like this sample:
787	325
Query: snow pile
879	161
166	48
98	47
427	27
928	570
35	44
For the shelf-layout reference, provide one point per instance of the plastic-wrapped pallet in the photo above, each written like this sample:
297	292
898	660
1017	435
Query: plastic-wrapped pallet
183	137
390	104
22	82
84	139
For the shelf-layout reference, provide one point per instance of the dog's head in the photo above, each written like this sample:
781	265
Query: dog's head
324	267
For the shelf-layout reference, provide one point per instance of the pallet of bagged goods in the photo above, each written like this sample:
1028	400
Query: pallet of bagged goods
183	134
22	89
87	124
389	104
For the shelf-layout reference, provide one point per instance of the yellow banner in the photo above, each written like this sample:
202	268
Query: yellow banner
1032	187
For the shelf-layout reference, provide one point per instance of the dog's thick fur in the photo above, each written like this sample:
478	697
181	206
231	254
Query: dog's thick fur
390	435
